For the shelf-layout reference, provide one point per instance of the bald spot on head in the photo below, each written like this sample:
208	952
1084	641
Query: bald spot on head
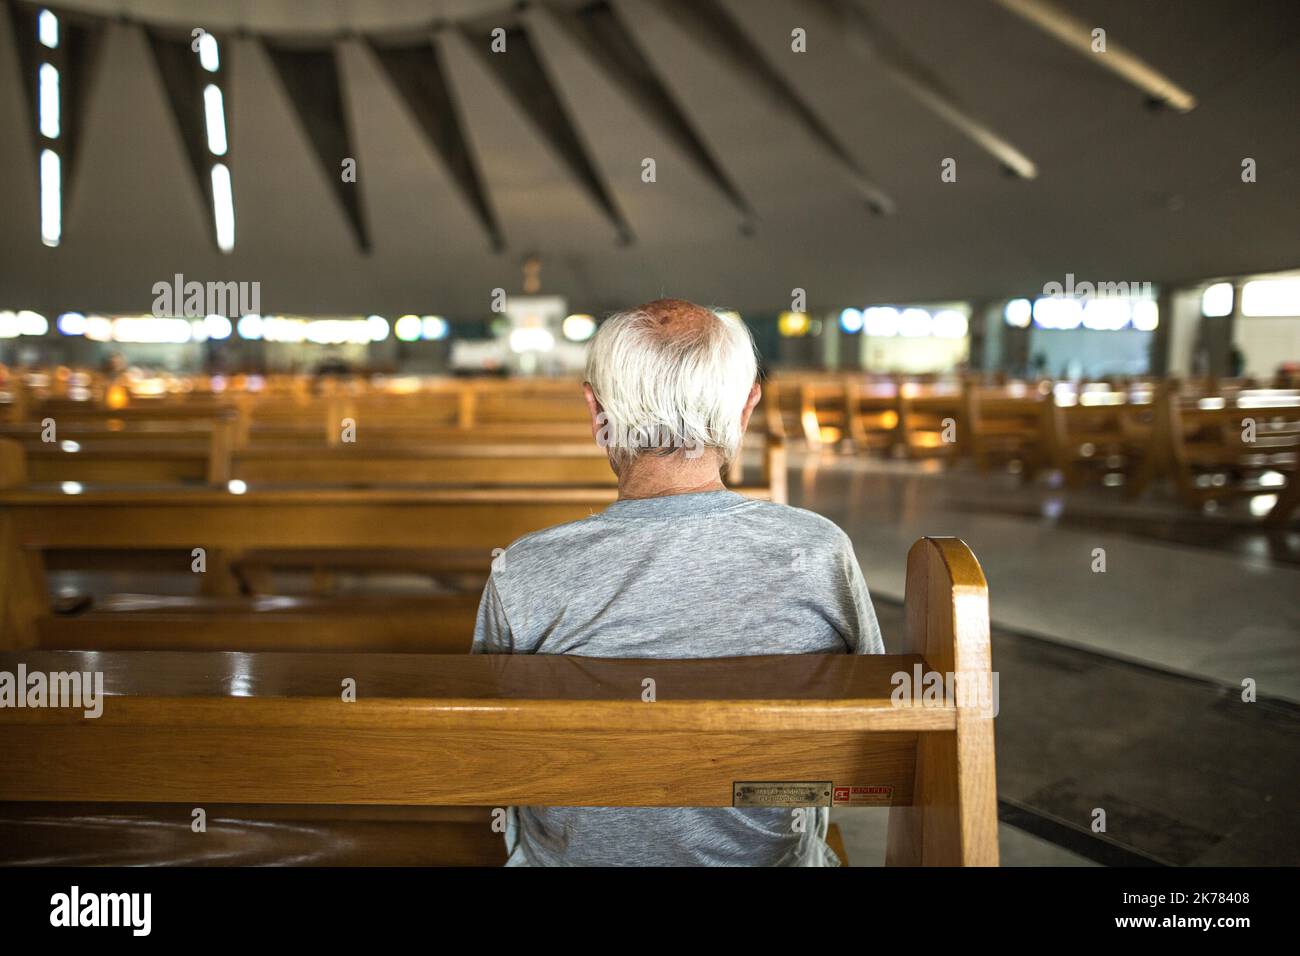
674	317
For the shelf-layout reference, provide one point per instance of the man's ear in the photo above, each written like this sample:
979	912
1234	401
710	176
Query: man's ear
593	407
755	394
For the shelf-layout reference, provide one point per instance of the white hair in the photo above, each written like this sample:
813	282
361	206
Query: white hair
658	390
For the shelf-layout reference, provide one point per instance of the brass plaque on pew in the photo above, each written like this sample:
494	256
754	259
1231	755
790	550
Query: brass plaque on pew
781	793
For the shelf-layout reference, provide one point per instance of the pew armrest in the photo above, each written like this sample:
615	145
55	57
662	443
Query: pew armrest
953	819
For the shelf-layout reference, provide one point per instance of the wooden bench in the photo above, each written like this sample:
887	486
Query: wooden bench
180	731
1005	424
357	525
872	415
153	834
474	465
226	524
447	458
803	405
1287	504
440	624
450	458
924	414
1094	434
1198	445
312	409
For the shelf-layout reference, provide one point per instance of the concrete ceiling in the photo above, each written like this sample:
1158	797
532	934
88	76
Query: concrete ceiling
1122	192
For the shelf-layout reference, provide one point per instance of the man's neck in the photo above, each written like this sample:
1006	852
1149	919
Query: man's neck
650	476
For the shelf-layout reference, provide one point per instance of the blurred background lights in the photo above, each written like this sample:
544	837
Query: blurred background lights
1018	313
249	327
1271	297
1216	300
145	328
407	328
851	321
1058	312
1146	315
578	327
914	323
793	325
434	327
949	324
71	323
218	327
1106	314
881	321
531	340
32	323
99	328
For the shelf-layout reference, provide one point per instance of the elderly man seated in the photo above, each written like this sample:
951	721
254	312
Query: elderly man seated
677	567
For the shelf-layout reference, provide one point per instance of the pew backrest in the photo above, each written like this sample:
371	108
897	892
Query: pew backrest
545	730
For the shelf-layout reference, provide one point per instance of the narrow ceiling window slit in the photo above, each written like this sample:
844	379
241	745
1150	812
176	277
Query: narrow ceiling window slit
49	121
58	56
193	74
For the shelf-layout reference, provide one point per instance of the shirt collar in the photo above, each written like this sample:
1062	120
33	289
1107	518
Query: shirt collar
674	506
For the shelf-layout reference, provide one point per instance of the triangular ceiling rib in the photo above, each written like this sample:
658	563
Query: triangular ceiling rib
712	25
183	80
311	80
600	31
1078	35
522	74
870	41
81	40
419	76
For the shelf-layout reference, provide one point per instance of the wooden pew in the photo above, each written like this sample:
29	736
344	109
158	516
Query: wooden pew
360	525
1203	447
458	458
108	450
307	409
1288	502
120	462
1006	423
180	731
583	465
390	625
152	834
468	461
454	457
174	413
477	465
1098	433
793	406
872	414
824	409
924	412
226	524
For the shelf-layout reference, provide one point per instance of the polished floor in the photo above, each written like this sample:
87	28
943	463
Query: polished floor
1121	690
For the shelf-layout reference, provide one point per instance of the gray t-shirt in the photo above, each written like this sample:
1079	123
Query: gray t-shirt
710	574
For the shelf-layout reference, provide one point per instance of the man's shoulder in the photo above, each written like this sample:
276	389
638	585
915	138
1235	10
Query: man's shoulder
542	552
799	521
545	544
767	514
